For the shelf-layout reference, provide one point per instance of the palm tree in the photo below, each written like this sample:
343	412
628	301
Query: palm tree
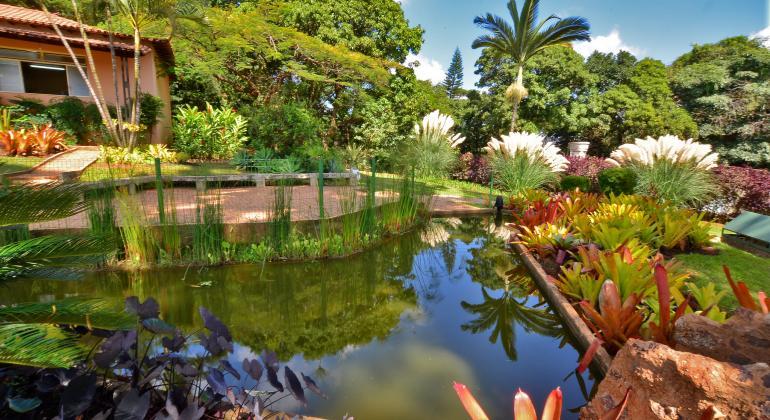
40	334
525	39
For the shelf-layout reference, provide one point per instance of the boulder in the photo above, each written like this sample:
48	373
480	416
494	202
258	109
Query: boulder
669	384
743	339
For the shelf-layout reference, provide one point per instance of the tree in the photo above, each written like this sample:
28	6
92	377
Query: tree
611	69
726	88
525	39
454	76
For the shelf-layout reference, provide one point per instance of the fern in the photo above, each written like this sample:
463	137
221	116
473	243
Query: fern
39	345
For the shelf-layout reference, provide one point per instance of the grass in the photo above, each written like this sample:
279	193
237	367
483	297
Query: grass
446	187
100	171
13	164
744	266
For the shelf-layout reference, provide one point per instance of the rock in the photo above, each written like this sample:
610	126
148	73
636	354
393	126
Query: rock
743	339
668	384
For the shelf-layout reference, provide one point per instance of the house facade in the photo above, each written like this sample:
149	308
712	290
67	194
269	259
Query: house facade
35	65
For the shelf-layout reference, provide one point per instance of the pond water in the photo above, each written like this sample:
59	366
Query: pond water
384	333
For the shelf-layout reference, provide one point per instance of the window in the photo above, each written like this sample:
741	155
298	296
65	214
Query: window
32	72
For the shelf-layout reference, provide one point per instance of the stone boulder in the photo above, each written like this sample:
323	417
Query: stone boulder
743	339
669	384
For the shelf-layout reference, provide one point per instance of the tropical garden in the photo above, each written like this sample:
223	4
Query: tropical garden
130	294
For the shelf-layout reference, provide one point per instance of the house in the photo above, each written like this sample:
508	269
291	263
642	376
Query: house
35	65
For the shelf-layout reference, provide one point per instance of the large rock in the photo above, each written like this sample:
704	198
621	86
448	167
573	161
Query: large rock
668	384
743	339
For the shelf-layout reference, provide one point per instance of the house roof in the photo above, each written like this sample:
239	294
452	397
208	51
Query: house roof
34	25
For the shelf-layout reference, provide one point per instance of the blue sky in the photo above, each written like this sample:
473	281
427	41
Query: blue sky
654	28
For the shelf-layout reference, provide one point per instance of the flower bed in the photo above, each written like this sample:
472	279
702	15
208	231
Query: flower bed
611	258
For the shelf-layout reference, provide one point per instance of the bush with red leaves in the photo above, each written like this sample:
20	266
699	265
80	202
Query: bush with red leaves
472	168
742	188
588	167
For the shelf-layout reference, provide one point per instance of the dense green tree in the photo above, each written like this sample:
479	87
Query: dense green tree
611	69
454	75
726	88
355	24
525	39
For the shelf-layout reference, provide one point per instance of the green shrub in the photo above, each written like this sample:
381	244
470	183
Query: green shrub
283	127
519	173
210	134
570	182
617	181
151	110
678	183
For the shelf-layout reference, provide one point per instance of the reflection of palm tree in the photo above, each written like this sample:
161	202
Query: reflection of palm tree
500	315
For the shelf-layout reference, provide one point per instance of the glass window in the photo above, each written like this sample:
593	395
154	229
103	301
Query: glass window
10	76
76	83
26	55
45	78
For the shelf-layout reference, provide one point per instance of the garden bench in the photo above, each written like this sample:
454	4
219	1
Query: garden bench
750	229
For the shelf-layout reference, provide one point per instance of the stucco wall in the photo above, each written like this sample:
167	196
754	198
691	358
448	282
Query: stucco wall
152	81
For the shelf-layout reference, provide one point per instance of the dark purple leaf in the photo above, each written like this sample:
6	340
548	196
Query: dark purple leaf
216	380
311	385
153	374
259	407
78	395
224	364
294	386
174	344
213	324
269	358
158	326
104	415
253	368
23	405
192	412
148	309
112	347
133	406
47	383
231	396
272	377
560	256
214	343
188	370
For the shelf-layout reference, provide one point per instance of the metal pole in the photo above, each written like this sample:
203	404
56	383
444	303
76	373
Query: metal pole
491	188
159	190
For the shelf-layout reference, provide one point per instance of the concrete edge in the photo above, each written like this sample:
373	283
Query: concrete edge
39	164
574	322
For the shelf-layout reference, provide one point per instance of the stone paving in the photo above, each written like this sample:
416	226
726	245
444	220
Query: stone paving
74	161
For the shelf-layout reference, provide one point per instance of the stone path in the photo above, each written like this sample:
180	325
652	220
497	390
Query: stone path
255	204
75	161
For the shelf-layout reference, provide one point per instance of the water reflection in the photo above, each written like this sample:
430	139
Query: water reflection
384	333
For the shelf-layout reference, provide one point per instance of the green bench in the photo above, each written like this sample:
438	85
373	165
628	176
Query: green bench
751	229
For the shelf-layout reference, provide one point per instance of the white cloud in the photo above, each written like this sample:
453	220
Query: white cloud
763	35
426	68
610	43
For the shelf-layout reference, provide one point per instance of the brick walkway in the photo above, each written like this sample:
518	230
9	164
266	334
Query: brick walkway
254	204
74	161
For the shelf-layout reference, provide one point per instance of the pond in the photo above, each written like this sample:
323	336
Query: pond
385	332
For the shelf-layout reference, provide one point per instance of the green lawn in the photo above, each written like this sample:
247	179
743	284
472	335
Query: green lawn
13	164
100	171
746	267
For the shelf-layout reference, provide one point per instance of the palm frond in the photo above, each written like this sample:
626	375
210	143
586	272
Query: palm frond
90	313
502	38
564	31
28	203
39	345
19	258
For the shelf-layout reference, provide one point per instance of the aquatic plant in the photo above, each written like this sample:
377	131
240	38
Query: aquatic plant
209	230
149	368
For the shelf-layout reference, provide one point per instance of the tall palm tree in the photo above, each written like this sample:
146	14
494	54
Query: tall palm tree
525	39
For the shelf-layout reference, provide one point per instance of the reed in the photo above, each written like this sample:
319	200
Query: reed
279	219
209	230
101	212
170	241
139	243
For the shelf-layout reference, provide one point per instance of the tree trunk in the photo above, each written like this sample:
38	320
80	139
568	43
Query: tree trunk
515	114
113	61
518	97
137	89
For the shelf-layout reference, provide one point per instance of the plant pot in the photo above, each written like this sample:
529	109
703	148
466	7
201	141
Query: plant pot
578	148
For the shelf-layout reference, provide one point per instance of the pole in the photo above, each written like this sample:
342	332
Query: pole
159	190
321	189
491	189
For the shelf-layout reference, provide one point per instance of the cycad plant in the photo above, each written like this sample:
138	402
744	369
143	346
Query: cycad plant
38	334
524	39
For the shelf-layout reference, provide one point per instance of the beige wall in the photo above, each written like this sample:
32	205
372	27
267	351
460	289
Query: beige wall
152	81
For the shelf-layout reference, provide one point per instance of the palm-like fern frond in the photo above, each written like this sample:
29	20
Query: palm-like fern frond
20	258
89	313
39	345
28	203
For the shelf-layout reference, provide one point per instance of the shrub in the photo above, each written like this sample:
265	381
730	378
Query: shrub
472	168
670	169
741	188
570	182
151	110
210	134
617	181
524	161
589	167
432	151
282	127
